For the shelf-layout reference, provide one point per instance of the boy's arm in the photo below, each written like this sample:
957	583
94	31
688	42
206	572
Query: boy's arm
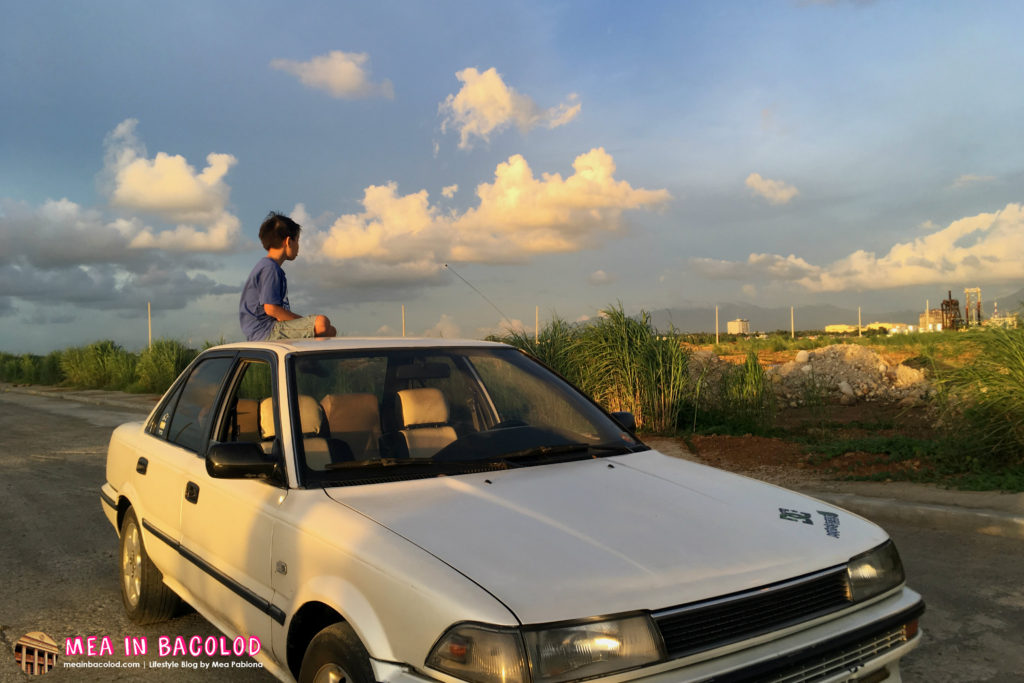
279	312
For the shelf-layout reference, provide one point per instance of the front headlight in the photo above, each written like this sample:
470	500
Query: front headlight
875	572
487	654
599	648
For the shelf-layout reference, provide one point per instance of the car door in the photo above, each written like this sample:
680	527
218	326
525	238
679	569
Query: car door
227	524
168	453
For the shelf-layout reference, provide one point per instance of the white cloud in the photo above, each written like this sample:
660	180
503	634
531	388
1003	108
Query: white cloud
969	179
445	327
169	188
449	191
976	249
520	215
222	236
503	328
517	216
775	191
767	266
600	277
93	258
485	105
345	75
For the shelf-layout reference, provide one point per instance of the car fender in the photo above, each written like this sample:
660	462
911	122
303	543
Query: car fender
349	602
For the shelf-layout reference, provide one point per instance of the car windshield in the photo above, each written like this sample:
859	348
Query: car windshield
381	415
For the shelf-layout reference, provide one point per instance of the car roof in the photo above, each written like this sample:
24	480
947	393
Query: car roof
287	346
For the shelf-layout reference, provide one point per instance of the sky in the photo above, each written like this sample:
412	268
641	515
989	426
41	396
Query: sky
483	164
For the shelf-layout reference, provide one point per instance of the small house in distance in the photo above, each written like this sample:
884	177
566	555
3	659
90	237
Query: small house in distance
738	326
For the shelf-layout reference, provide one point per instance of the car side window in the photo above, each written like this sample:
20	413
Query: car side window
190	423
249	413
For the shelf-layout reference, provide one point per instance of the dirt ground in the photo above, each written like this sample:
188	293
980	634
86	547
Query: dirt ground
789	460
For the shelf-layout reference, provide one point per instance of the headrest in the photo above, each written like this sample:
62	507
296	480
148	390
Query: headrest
422	407
310	417
352	412
267	430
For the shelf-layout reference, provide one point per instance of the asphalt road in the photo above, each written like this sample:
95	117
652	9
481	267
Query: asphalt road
59	565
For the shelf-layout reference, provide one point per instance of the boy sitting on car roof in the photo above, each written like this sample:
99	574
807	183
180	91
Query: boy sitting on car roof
264	311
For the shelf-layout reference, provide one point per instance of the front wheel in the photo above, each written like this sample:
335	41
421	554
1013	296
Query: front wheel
335	655
146	599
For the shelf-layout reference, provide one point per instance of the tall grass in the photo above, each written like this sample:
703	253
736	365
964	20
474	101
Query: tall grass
31	369
621	362
161	364
732	398
983	405
101	365
627	365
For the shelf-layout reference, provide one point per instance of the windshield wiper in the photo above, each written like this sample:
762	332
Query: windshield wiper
391	462
566	452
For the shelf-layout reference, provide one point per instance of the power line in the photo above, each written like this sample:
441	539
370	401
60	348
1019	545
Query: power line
482	295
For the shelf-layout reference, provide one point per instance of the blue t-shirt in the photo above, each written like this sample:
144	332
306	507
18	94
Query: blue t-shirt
266	284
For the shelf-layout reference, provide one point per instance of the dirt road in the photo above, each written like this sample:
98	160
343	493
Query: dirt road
59	559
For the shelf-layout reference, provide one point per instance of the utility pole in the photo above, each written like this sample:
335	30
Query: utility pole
149	319
536	325
792	324
716	324
859	326
403	320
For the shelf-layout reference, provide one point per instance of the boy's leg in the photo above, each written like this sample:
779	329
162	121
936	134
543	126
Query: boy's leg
300	328
322	327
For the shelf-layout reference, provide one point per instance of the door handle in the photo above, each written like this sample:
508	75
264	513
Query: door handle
141	465
192	492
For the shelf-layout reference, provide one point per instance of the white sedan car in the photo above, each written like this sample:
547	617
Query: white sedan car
406	511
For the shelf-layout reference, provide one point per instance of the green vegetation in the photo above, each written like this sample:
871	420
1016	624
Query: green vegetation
895	448
983	406
101	365
626	365
161	364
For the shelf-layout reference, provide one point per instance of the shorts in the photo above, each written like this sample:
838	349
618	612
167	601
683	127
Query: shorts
300	328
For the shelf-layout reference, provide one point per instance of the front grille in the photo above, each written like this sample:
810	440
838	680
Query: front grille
847	660
702	626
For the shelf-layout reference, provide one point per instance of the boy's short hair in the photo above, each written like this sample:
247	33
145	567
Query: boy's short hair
276	227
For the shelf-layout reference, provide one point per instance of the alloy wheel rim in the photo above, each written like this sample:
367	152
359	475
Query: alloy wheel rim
131	566
330	673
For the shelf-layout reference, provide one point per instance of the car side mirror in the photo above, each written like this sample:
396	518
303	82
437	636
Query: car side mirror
238	460
627	420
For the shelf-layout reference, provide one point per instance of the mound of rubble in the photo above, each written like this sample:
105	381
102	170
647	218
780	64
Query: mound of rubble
846	373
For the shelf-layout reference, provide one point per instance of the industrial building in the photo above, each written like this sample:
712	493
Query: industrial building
738	326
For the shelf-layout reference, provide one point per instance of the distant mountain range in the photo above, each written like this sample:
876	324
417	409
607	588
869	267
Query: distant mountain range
814	317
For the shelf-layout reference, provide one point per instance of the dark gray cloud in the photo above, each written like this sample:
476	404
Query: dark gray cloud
107	287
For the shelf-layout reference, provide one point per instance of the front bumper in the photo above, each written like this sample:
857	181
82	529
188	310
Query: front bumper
108	501
863	645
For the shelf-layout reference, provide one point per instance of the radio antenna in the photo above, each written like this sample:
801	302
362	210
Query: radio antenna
483	296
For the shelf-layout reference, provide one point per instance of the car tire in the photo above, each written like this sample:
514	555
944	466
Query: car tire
336	654
146	599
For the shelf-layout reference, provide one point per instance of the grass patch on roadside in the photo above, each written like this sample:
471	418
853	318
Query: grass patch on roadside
897	448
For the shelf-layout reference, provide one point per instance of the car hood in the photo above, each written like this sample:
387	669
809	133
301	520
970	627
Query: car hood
601	536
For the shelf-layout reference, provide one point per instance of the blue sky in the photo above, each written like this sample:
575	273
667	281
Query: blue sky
560	155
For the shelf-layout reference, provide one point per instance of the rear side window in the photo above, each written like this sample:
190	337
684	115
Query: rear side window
190	423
